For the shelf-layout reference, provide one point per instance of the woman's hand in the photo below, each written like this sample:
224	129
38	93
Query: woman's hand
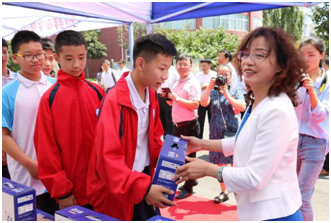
224	90
193	144
211	83
196	168
308	84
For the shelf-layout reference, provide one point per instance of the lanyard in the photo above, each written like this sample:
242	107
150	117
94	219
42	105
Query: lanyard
247	114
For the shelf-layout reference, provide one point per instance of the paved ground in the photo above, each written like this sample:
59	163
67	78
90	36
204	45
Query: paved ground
209	187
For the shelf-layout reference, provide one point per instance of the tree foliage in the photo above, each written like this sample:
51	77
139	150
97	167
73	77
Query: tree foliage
11	65
320	17
198	44
202	43
95	49
289	18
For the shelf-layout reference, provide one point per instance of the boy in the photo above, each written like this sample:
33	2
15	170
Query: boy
20	101
7	75
65	124
48	48
128	137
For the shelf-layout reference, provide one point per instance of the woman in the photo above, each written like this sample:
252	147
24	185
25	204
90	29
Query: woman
263	176
224	101
313	118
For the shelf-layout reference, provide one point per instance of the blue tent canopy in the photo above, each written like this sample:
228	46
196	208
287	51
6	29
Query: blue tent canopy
170	11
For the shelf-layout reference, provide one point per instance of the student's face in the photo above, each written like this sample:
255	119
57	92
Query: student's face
221	58
121	65
49	62
34	66
5	57
184	67
72	59
105	67
155	72
312	56
205	67
260	72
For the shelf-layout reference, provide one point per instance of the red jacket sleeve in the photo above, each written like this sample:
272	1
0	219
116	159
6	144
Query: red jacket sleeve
115	156
50	169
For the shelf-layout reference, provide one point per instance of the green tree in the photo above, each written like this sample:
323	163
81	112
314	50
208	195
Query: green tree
202	43
198	44
11	65
289	18
95	49
320	17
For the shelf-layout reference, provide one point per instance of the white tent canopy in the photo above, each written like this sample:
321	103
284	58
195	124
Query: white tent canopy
49	18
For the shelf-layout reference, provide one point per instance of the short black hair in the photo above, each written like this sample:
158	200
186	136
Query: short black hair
149	46
206	61
22	37
227	54
4	43
326	60
47	44
69	38
183	57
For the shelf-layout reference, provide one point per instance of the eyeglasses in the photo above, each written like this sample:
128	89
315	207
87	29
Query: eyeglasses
242	55
27	58
182	65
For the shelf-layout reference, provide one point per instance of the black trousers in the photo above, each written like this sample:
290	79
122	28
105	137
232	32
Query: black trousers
165	115
202	115
5	172
143	211
46	203
192	129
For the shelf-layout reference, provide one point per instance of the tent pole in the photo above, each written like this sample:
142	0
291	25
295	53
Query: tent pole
149	28
131	43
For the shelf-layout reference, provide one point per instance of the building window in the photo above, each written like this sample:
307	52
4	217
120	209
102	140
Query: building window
231	22
127	52
180	24
257	22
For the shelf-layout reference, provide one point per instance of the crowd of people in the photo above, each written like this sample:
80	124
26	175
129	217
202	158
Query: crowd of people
97	144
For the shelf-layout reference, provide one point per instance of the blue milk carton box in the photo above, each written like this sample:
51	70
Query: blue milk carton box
18	202
172	156
78	213
159	218
44	216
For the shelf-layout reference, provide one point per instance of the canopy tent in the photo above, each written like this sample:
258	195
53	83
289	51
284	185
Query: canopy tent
48	18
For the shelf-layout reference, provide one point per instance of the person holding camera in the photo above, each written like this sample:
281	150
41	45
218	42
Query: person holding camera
263	177
223	101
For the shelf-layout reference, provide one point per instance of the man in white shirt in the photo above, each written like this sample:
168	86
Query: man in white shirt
122	68
109	76
204	77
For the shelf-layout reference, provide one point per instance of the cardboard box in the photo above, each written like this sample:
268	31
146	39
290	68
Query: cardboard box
78	213
159	218
44	216
172	156
18	202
